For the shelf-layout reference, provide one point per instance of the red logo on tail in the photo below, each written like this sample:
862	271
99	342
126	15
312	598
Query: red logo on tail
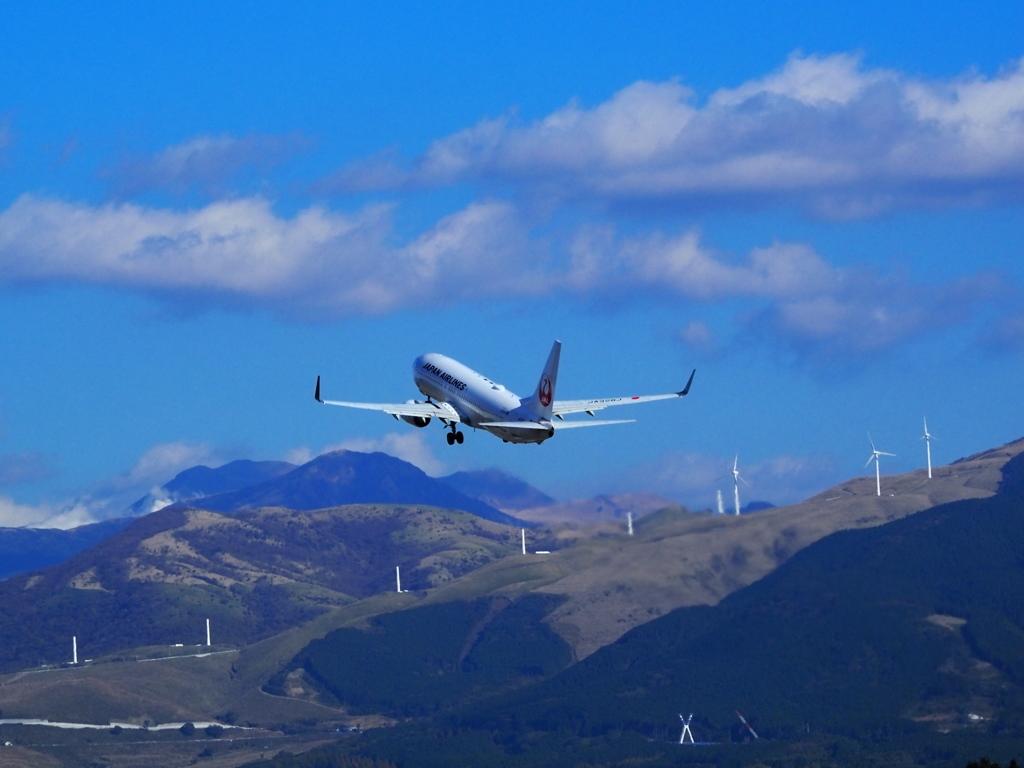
545	391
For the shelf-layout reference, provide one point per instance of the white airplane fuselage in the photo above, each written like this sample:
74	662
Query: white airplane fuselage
457	395
476	399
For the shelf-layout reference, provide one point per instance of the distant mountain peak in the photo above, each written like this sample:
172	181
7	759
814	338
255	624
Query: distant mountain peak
498	488
199	481
346	477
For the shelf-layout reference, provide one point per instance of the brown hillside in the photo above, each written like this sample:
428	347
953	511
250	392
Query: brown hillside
348	551
614	583
598	509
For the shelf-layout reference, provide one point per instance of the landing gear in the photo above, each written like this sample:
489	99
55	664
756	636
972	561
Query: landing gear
454	437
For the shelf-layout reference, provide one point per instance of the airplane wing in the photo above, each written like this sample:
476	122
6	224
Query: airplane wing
561	407
428	410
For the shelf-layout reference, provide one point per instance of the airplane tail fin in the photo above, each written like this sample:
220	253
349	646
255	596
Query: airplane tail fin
544	396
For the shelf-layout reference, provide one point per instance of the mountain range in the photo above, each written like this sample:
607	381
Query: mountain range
349	477
335	479
850	614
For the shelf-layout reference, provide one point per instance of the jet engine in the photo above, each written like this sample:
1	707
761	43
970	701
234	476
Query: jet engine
416	421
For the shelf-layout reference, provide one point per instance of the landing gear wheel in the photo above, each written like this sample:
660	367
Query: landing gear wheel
450	437
459	437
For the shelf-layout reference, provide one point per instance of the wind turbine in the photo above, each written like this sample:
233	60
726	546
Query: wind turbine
928	437
686	729
875	453
736	482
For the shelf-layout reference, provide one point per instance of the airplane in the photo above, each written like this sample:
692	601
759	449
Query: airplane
459	395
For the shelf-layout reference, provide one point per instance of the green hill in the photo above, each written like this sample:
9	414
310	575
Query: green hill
420	660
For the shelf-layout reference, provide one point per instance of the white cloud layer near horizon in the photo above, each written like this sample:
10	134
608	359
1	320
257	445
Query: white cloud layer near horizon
689	478
111	497
822	132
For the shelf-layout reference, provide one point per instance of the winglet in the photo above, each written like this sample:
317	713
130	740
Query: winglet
317	393
686	389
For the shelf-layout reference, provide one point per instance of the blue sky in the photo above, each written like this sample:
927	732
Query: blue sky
818	206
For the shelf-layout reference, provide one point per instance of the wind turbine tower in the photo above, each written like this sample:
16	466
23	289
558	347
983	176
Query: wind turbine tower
398	578
875	453
74	649
629	522
686	729
207	633
524	541
721	504
736	483
928	437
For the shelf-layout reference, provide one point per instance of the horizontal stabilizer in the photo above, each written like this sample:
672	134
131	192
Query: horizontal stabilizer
556	424
516	425
568	424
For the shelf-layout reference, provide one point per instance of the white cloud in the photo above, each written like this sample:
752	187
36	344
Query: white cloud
163	461
70	514
792	294
321	263
14	515
823	131
868	313
112	496
813	80
204	161
683	266
240	250
698	336
300	455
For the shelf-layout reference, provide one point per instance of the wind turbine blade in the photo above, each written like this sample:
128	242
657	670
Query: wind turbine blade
871	441
883	453
870	459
